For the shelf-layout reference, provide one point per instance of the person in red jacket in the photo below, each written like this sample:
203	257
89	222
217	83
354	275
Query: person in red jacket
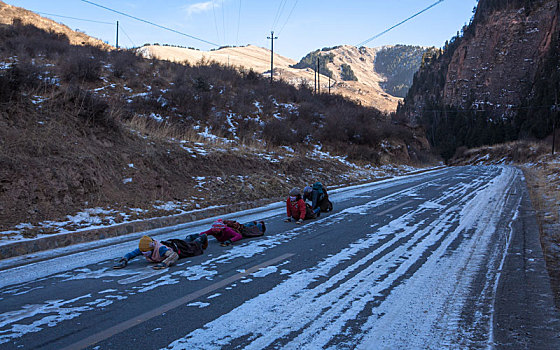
223	233
295	207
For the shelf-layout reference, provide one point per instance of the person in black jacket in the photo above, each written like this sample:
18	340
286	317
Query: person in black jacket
318	196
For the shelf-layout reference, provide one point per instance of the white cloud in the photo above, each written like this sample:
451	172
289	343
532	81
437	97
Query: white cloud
199	7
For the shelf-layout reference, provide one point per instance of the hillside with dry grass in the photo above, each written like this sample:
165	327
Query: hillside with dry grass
8	13
366	89
86	129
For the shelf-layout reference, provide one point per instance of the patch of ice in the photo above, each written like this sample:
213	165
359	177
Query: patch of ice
199	304
266	271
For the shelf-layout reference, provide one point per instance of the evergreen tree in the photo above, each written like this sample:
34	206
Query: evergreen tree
346	73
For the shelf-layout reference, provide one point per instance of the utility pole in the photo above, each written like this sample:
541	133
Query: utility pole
318	77
554	122
554	133
117	35
272	38
315	76
329	85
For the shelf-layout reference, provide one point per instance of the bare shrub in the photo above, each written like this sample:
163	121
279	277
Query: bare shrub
20	76
80	66
6	91
360	153
459	152
334	129
243	101
124	63
279	133
31	41
251	75
93	110
153	102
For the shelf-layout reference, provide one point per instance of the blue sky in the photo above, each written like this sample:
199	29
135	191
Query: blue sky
311	25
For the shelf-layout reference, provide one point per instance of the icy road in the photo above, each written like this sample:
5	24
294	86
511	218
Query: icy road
448	259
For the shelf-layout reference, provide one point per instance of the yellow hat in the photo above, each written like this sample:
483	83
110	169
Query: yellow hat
145	244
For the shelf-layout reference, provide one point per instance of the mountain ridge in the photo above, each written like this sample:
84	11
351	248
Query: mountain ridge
367	90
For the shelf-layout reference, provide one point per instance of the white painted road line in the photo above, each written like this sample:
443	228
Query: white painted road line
395	207
121	327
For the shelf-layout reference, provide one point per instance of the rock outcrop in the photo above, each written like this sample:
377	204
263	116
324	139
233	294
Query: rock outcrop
498	63
494	65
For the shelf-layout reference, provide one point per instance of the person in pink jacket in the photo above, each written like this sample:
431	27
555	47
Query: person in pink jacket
223	233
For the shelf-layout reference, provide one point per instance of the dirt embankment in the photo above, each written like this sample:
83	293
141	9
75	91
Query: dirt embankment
543	180
86	129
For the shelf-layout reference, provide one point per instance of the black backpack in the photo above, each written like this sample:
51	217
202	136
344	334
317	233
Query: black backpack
326	204
249	229
183	248
253	229
309	213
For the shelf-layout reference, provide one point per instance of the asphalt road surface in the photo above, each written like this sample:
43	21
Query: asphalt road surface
448	259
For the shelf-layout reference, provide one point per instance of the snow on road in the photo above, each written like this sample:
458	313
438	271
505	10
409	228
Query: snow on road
406	293
408	277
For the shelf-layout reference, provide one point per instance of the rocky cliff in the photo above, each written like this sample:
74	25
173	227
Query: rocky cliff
497	63
492	83
494	63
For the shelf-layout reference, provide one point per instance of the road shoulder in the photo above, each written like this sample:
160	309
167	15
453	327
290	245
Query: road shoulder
525	314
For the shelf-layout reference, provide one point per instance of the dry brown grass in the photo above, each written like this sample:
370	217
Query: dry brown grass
9	13
515	152
153	129
544	186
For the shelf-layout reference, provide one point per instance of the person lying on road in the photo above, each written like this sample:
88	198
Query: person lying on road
165	253
223	233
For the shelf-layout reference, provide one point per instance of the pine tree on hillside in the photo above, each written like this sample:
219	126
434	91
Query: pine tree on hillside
346	73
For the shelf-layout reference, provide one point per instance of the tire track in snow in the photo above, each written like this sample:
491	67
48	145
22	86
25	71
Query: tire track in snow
409	266
312	312
457	271
206	269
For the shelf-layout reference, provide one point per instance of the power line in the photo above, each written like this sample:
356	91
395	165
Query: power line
151	23
398	24
215	21
238	23
281	6
122	29
78	19
224	22
287	19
